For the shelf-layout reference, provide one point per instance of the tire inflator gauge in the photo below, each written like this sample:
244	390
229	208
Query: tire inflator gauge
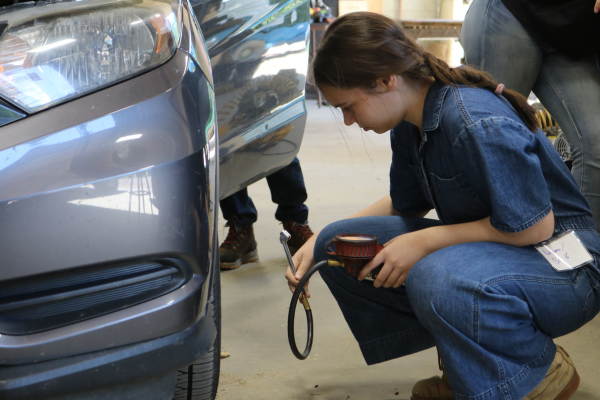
353	250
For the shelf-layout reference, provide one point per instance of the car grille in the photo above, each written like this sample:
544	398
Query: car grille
49	301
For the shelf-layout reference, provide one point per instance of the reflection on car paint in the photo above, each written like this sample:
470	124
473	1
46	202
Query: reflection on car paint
259	59
171	124
8	115
132	193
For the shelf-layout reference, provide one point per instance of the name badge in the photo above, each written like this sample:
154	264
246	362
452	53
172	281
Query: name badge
565	251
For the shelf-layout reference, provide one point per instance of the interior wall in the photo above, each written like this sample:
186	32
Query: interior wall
420	9
391	8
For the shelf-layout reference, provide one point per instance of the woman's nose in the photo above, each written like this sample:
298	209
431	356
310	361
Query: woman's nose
349	119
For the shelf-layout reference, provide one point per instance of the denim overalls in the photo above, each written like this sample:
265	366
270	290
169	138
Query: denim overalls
492	309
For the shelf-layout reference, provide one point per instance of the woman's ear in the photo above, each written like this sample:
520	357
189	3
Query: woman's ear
387	84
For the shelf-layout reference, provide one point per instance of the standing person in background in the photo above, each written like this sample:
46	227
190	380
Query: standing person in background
289	193
549	47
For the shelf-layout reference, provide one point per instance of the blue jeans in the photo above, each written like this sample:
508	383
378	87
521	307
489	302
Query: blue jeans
491	309
496	42
287	191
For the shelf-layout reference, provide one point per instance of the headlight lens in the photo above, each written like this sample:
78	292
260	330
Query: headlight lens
54	57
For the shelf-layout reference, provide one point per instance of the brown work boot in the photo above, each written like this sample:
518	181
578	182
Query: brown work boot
239	246
434	387
300	234
561	381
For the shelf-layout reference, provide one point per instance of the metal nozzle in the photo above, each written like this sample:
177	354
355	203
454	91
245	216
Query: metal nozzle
284	236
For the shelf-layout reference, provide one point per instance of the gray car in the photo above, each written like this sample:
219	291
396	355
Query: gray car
122	123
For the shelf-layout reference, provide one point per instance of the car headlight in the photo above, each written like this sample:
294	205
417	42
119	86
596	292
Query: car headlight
60	53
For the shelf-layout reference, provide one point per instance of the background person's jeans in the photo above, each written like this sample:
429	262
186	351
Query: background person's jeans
492	309
495	41
287	191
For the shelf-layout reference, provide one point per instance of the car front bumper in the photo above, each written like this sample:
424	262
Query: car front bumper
139	371
126	175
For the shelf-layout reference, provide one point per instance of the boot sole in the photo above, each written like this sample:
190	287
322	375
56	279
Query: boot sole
570	389
566	394
246	259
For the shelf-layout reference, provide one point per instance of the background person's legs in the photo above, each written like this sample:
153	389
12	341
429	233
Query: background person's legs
289	193
239	205
497	43
239	247
570	90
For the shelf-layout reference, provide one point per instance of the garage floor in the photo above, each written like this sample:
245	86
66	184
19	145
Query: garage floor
344	171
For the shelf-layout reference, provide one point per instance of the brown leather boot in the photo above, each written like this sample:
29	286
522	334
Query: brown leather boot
434	387
239	246
300	234
561	381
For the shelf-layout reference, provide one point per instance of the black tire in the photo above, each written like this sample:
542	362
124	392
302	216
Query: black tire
200	380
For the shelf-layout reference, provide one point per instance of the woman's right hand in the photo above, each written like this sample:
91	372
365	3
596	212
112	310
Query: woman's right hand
303	260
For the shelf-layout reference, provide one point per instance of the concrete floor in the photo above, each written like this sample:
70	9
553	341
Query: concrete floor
344	171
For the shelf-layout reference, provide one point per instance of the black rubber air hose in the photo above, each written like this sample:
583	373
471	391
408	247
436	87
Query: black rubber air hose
309	319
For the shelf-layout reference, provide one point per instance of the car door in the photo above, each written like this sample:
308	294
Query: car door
259	55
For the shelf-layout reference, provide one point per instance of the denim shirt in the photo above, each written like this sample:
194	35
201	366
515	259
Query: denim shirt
477	159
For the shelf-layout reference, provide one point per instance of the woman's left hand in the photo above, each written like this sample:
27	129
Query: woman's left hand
398	257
